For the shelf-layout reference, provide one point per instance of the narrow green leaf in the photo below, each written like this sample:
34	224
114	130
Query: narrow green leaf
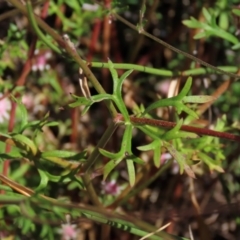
14	154
136	159
120	81
157	155
117	98
5	188
28	225
185	89
88	102
67	164
64	154
86	108
152	132
236	11
174	101
43	182
156	147
225	35
52	124
110	154
11	198
236	46
200	35
80	101
148	147
126	145
114	75
187	135
192	23
161	103
174	132
198	99
24	143
179	157
23	119
74	5
131	172
46	229
16	175
212	164
24	116
207	15
5	135
110	166
224	20
53	178
190	112
101	97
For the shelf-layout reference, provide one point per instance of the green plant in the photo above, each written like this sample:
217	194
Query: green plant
38	205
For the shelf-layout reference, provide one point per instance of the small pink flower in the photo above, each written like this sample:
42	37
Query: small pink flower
28	100
68	230
111	188
90	7
163	87
165	157
5	106
40	62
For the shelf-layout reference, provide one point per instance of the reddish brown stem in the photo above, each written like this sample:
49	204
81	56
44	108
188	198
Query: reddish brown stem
20	82
45	9
94	38
187	128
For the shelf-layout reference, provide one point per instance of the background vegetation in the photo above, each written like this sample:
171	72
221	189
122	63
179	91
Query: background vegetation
96	165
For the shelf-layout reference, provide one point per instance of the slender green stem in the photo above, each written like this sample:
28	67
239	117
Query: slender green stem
101	144
142	31
37	30
124	222
200	71
91	191
136	67
86	177
162	72
128	223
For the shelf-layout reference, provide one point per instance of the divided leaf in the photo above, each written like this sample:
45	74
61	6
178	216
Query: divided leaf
180	158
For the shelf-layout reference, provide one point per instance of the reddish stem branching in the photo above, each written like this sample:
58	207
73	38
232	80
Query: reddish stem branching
187	128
